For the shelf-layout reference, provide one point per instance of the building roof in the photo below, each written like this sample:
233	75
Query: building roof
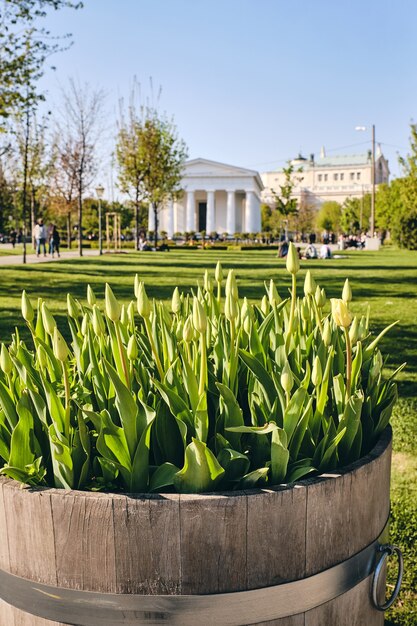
339	160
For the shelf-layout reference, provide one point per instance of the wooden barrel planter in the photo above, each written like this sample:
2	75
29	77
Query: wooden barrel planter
302	555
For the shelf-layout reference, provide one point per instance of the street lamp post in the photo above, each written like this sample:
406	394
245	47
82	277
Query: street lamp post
99	192
372	221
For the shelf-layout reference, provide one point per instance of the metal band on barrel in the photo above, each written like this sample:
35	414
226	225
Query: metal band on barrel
88	608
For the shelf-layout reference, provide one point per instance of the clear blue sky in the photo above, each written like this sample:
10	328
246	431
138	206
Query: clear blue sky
253	82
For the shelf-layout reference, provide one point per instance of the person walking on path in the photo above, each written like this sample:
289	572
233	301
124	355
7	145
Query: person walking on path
54	240
40	237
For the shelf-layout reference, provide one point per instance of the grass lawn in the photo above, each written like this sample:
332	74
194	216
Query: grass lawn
387	281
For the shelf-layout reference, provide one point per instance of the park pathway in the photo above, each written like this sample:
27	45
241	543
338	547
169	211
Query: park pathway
17	259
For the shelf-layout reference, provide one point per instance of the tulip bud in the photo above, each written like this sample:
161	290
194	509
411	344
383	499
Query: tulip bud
362	331
60	347
317	373
91	296
231	285
48	320
305	310
136	286
144	306
376	366
218	274
131	313
113	307
27	309
207	282
287	379
6	362
246	317
231	308
322	298
273	294
132	349
176	301
309	284
327	333
42	356
347	292
354	331
124	316
98	322
188	330
84	325
73	310
178	330
293	262
340	313
199	316
265	305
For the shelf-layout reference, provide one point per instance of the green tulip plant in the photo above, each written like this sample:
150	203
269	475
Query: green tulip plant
214	394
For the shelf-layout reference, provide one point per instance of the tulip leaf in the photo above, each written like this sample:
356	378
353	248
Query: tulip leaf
140	467
127	408
279	456
233	415
235	464
201	471
251	480
163	477
261	374
294	411
7	405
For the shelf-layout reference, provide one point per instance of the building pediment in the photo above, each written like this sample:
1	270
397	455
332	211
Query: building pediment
204	168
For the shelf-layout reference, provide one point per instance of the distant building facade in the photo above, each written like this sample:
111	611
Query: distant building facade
217	198
330	177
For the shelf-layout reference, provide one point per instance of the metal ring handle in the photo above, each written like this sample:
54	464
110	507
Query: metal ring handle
387	550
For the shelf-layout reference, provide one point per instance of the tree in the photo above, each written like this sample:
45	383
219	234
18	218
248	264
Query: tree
164	155
151	160
129	156
356	214
284	203
24	48
329	216
32	149
76	143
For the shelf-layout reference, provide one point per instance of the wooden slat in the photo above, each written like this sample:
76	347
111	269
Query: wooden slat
369	500
4	540
213	543
327	522
30	533
147	545
84	537
276	532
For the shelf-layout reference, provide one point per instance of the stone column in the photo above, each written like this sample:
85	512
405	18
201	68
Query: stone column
231	213
170	223
251	210
151	219
210	222
190	215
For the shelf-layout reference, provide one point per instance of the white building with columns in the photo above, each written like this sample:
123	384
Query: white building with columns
217	198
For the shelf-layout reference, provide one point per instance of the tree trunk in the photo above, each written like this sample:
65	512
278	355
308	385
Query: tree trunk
155	212
32	215
69	230
137	222
80	221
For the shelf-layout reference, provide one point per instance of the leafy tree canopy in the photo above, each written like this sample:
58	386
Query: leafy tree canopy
24	48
